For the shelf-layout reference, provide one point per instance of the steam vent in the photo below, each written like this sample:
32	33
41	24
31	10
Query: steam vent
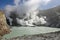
4	29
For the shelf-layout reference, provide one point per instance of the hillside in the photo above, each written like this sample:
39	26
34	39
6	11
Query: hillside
52	16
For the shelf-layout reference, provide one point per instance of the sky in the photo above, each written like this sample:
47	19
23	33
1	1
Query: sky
3	3
52	3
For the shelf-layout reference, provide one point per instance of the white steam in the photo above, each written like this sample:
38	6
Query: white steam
16	2
29	8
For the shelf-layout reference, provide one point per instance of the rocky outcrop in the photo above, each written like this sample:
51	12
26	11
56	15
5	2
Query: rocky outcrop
4	28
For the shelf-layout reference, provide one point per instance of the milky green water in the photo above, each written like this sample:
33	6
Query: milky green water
21	31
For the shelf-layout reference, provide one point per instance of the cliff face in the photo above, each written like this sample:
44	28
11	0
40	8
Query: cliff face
4	29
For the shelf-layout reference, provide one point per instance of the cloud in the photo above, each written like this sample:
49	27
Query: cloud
16	2
9	8
47	1
31	2
31	5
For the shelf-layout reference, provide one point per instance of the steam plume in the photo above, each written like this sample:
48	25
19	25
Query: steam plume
26	9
